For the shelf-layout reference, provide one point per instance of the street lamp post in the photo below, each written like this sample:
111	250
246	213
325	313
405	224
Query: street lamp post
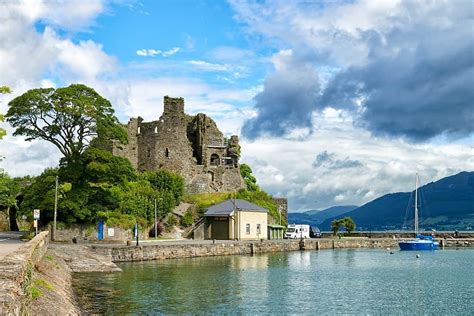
55	209
156	228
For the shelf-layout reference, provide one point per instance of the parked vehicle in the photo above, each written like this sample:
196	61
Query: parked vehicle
314	232
297	231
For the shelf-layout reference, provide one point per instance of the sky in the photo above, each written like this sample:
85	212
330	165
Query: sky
335	102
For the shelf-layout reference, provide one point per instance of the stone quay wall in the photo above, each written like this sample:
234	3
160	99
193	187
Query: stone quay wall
120	253
15	273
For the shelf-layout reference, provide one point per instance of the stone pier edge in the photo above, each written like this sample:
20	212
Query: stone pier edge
121	253
15	273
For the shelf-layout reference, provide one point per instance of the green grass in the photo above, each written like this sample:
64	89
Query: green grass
35	292
204	200
44	284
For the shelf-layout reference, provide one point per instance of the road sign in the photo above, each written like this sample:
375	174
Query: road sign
36	214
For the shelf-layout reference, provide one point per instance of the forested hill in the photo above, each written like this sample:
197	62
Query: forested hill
446	204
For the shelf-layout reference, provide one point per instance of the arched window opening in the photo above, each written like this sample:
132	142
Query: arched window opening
167	153
214	160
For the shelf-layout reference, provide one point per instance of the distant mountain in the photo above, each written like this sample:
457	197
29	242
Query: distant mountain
447	204
316	217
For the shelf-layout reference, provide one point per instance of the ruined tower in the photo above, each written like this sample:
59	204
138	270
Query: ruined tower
191	146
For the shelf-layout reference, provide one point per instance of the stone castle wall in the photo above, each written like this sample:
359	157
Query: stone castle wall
191	146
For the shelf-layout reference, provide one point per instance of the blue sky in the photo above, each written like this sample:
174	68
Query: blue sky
335	102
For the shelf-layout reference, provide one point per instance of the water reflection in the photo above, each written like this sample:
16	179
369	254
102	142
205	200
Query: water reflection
325	282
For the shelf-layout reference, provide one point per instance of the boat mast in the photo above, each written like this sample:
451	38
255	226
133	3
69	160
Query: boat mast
416	205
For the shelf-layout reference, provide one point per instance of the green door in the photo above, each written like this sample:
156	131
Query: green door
220	229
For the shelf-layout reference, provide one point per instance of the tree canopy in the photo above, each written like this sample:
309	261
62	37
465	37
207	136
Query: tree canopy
102	186
249	178
3	89
68	117
347	222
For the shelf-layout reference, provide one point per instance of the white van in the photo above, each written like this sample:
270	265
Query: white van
297	231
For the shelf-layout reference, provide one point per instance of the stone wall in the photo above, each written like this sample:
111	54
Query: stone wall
191	146
224	248
85	234
15	273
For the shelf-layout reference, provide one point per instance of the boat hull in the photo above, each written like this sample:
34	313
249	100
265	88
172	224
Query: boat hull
418	245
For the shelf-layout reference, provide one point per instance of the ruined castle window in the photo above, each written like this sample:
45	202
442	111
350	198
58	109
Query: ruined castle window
167	153
156	129
214	160
211	176
149	152
138	130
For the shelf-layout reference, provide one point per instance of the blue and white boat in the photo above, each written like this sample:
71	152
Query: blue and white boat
421	242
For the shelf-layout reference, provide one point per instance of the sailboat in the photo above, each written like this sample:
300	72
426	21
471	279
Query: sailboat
421	242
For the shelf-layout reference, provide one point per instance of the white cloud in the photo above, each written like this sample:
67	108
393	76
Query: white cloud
384	166
71	14
154	52
171	52
147	52
30	58
283	166
207	66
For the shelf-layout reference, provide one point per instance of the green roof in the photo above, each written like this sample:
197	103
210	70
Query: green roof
275	226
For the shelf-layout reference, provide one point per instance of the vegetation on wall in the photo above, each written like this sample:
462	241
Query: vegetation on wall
249	178
102	186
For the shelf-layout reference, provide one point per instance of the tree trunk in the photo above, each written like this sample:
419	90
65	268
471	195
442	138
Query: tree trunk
12	215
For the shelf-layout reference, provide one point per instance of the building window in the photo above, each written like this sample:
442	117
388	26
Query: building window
138	130
258	229
149	152
214	160
156	129
167	153
247	229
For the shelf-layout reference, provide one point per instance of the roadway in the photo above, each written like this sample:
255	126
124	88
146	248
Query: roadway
9	242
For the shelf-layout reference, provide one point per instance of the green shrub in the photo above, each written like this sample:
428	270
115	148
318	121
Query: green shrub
205	200
34	292
172	221
187	219
117	219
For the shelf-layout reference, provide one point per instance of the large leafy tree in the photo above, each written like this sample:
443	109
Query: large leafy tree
9	190
68	117
3	89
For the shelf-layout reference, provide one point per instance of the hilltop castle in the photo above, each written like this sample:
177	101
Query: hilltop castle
191	146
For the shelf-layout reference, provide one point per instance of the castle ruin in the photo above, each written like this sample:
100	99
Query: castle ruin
191	146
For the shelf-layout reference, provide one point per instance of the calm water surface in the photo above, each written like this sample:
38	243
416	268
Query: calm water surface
313	282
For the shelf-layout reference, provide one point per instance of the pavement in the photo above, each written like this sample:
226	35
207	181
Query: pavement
9	242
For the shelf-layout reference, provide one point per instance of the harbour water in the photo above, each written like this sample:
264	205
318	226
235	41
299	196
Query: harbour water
344	281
